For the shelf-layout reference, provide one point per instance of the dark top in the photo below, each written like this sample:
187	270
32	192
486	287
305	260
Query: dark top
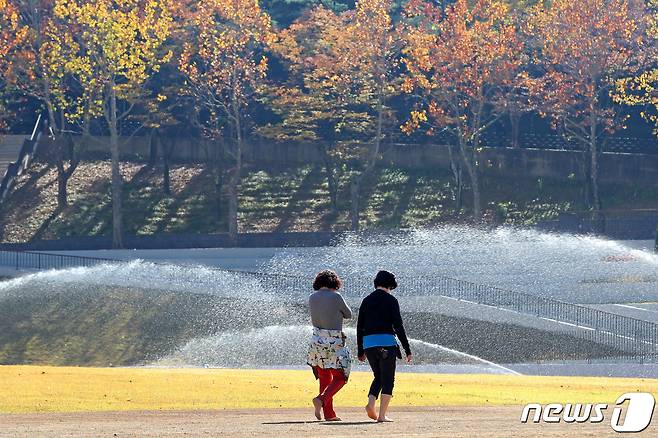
379	314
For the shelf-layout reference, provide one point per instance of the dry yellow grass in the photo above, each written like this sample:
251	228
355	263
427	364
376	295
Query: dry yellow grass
70	389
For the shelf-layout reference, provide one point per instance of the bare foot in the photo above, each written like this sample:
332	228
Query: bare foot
317	404
370	410
384	420
333	419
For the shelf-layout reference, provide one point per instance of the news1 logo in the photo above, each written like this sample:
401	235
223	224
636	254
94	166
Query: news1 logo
638	412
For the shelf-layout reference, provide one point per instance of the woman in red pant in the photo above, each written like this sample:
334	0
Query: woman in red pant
328	355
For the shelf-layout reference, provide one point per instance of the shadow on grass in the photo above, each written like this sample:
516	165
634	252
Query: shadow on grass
86	221
38	234
293	210
16	208
395	219
195	186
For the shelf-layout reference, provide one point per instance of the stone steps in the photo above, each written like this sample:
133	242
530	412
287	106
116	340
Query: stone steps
10	146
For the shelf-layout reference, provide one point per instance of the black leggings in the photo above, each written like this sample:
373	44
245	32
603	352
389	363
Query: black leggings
382	362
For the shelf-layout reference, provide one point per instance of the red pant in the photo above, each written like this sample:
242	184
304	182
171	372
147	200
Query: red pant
331	381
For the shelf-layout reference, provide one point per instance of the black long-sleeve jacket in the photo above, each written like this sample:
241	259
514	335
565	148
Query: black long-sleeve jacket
379	314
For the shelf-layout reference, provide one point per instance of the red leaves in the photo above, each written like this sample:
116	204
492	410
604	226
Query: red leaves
583	47
465	64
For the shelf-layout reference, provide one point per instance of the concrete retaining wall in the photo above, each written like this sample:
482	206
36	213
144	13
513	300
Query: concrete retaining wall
534	163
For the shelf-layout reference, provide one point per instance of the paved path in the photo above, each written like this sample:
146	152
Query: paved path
411	422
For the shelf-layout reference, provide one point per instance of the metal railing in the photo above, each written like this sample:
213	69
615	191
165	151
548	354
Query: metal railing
25	156
630	336
40	260
621	332
530	140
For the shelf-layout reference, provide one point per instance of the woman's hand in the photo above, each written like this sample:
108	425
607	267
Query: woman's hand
362	358
409	358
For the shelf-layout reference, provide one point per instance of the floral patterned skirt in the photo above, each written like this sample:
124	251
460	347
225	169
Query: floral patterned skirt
328	350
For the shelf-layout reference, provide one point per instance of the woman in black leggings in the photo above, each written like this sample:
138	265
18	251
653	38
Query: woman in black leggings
378	324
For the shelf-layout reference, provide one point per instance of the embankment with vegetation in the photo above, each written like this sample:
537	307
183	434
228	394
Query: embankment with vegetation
292	199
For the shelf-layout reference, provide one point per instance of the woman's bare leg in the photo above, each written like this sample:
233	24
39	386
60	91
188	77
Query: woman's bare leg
370	407
383	407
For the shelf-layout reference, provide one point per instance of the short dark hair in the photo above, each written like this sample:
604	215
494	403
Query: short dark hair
385	279
328	279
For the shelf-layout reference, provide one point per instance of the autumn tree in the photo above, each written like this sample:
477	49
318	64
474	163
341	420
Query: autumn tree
521	101
343	74
463	64
583	47
225	67
312	107
116	48
371	61
38	73
12	35
640	89
165	110
161	117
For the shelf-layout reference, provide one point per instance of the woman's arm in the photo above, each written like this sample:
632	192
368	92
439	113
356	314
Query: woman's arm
359	332
399	327
344	308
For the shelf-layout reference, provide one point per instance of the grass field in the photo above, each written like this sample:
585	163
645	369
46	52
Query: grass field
69	389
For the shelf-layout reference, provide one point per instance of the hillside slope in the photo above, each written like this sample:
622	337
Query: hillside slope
294	199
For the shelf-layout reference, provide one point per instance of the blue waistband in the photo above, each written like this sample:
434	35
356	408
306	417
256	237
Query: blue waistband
379	340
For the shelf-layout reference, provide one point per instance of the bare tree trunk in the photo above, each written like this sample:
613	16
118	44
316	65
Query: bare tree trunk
357	182
234	180
153	147
62	201
594	169
166	147
64	175
218	176
35	23
586	169
117	181
166	179
456	168
58	143
515	122
355	187
332	184
470	162
594	176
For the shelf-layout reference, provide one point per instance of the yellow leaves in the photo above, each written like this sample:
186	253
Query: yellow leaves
222	59
419	116
416	118
115	40
104	45
641	89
